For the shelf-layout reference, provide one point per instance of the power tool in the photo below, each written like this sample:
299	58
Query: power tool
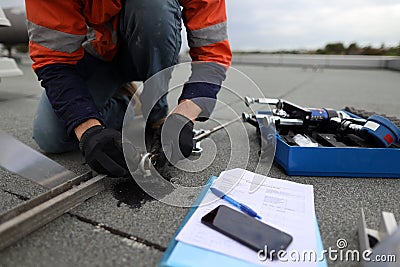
376	130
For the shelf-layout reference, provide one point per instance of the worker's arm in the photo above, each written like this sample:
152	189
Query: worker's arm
57	33
206	25
69	96
205	21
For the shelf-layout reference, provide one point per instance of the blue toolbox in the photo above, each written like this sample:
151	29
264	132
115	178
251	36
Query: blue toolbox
325	142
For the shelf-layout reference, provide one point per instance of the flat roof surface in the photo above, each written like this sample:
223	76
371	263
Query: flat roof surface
94	233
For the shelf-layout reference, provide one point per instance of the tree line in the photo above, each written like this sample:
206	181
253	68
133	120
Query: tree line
355	49
338	49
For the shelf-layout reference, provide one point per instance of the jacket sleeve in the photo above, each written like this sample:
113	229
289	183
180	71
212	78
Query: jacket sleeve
68	95
206	25
56	32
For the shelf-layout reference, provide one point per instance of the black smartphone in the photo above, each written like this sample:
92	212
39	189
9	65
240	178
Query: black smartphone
247	230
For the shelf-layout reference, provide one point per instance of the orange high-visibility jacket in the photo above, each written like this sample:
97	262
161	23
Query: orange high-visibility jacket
60	31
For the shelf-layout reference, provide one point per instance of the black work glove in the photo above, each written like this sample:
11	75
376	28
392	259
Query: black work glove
174	140
102	149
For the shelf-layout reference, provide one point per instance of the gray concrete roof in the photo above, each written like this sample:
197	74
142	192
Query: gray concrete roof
95	233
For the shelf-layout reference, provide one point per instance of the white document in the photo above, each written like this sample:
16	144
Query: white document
282	204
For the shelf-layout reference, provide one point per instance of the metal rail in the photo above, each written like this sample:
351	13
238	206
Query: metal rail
35	213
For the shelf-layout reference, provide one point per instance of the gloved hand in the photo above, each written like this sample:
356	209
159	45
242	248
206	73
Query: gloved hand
102	149
174	140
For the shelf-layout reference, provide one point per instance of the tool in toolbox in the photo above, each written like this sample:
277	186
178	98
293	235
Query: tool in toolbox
328	126
377	130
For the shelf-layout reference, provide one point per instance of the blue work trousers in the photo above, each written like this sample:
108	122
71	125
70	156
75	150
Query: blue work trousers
150	33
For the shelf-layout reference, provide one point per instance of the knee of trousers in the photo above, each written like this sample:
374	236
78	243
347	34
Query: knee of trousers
52	137
152	31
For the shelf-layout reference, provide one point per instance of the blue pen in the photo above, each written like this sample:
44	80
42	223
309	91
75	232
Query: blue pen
241	206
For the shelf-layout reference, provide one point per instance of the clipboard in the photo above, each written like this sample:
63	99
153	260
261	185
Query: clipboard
179	254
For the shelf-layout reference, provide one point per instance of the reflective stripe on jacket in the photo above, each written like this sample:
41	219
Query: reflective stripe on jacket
60	31
205	21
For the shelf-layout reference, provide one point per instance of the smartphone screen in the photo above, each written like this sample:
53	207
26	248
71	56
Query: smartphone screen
247	230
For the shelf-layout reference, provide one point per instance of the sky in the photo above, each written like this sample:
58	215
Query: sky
297	24
306	24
